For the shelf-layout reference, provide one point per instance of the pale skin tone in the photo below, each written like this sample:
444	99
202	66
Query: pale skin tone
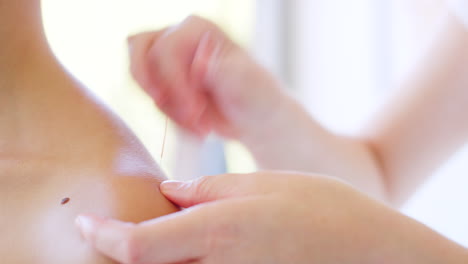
207	83
271	217
57	141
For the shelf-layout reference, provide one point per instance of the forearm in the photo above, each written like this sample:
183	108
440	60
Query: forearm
406	241
412	136
293	140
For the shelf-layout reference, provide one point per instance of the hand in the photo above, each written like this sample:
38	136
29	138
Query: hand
203	80
269	218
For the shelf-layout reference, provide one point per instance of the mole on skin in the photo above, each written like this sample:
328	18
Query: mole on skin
65	200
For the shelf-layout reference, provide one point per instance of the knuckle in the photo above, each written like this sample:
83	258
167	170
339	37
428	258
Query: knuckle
196	19
224	185
199	22
156	53
203	186
155	60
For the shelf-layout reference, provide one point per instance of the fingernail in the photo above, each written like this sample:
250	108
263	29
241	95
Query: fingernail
171	186
86	225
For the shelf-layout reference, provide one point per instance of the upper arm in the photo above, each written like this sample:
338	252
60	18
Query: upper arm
428	121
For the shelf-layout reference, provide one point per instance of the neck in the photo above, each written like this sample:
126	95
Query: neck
22	38
28	71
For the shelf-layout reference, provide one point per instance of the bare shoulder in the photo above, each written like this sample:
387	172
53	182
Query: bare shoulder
39	207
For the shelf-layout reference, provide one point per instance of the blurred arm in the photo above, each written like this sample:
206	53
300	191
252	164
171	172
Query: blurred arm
413	135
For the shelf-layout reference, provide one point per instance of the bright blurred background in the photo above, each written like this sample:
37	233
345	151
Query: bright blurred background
340	58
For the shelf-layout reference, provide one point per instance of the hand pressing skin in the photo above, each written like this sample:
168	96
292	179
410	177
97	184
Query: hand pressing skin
270	218
202	79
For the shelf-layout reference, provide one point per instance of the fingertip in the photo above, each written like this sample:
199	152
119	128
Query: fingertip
88	224
168	187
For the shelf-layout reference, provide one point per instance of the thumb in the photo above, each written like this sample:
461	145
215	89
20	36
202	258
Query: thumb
207	189
176	238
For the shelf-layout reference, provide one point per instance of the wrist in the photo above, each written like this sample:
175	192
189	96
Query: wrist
256	105
284	126
266	120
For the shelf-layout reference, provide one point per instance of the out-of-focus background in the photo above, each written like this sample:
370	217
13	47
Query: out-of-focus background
342	59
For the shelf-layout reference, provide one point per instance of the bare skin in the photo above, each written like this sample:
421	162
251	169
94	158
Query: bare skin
418	130
56	142
212	84
271	217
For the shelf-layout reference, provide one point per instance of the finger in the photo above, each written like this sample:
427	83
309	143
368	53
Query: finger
139	45
179	61
202	57
213	188
179	238
168	66
226	186
211	119
147	77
